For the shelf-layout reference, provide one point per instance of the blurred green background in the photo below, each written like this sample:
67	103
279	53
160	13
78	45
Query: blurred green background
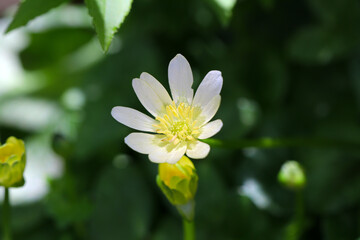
291	69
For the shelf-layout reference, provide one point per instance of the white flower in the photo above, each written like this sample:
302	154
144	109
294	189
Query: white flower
179	122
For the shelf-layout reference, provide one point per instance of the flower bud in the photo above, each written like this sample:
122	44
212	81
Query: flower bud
292	175
179	184
12	163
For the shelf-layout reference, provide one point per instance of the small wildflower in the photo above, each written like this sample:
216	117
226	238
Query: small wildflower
179	122
12	163
292	175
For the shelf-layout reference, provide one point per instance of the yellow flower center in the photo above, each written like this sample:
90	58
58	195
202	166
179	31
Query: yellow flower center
177	124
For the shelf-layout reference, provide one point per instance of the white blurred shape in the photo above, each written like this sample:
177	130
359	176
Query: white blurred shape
65	15
251	152
252	189
74	99
11	73
248	111
226	4
85	57
121	161
28	113
116	45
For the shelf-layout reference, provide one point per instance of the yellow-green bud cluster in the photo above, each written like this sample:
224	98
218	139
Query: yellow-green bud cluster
12	163
178	181
292	175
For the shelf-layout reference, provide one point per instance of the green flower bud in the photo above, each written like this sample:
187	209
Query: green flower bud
178	181
12	163
179	184
292	175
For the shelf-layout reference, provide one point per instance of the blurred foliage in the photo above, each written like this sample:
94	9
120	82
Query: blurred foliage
30	9
290	68
47	53
123	205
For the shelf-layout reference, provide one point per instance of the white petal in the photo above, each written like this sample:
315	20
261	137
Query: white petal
208	111
133	118
210	129
167	153
198	150
157	87
159	151
180	79
208	89
149	97
141	142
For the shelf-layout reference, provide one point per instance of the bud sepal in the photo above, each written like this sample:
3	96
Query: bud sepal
187	211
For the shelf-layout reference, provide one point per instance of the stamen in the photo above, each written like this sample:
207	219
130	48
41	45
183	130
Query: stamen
177	124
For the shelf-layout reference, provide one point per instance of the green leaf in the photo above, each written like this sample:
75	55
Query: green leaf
107	17
30	9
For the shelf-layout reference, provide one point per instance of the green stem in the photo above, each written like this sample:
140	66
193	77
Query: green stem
295	228
6	216
299	212
189	229
276	143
